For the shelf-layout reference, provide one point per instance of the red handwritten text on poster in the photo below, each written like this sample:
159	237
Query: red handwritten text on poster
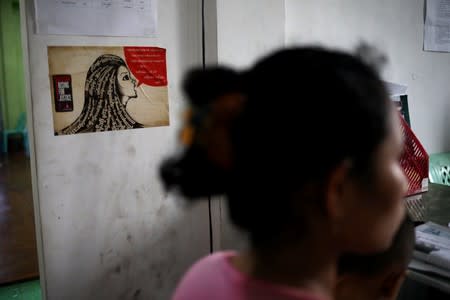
148	64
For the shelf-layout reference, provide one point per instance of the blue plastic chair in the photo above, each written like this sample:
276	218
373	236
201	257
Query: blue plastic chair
21	129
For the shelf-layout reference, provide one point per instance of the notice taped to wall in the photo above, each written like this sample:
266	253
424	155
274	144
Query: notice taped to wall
96	17
437	26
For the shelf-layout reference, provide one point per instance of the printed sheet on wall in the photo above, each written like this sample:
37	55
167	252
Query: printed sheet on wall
96	17
437	26
97	89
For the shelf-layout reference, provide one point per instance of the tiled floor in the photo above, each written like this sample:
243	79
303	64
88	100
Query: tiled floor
29	290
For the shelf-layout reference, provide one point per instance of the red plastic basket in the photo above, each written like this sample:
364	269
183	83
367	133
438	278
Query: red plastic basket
414	161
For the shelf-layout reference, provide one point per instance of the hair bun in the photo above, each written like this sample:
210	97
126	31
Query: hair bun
193	175
202	86
200	170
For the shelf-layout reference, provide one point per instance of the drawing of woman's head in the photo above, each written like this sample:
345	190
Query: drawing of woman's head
109	86
109	78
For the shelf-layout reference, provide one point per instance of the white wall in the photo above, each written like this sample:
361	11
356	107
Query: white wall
107	229
395	27
245	32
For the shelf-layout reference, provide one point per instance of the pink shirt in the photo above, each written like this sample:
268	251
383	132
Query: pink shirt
213	277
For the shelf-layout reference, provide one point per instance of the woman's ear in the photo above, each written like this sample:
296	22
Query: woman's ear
336	190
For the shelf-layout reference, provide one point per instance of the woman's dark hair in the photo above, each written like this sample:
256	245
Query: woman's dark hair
305	111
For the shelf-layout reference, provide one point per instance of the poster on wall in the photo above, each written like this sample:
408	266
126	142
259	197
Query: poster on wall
96	17
437	26
98	89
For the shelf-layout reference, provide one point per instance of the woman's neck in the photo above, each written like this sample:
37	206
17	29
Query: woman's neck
309	265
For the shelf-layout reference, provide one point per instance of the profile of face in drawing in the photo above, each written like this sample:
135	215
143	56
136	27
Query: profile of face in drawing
108	87
127	84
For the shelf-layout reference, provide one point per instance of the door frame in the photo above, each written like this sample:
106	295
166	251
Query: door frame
25	8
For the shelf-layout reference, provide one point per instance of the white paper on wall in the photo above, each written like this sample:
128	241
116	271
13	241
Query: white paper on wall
437	26
96	17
